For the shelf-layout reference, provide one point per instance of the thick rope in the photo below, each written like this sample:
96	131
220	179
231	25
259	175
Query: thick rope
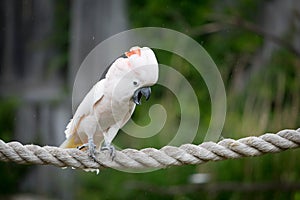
150	158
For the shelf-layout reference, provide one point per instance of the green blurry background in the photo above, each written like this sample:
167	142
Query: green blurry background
255	44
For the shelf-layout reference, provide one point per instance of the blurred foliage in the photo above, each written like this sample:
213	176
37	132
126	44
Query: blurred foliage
7	116
61	38
11	174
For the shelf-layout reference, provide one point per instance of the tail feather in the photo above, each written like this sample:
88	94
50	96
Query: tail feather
68	131
71	142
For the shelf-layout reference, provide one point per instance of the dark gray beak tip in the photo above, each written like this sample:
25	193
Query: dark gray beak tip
137	96
137	102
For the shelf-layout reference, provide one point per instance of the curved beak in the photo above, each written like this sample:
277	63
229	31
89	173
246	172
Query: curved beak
137	96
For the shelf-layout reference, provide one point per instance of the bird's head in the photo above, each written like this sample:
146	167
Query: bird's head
135	73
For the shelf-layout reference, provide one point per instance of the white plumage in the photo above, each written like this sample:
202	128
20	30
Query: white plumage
110	103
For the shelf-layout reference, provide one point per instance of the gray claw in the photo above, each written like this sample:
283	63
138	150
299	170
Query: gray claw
91	146
111	149
82	146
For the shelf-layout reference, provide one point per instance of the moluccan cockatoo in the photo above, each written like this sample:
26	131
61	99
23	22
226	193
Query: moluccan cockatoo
110	103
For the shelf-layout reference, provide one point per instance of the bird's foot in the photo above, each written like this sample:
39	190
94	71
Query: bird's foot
91	148
110	148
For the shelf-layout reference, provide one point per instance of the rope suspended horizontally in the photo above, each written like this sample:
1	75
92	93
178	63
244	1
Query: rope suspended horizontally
150	157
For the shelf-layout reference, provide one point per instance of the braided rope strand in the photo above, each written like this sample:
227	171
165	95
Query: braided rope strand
151	157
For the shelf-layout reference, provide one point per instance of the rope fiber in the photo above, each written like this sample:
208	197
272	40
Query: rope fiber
151	157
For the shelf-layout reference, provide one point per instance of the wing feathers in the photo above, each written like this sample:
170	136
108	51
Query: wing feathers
85	108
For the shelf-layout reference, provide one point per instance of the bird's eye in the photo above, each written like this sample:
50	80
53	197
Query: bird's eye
135	83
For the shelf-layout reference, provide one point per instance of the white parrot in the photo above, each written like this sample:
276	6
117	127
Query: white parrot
110	103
